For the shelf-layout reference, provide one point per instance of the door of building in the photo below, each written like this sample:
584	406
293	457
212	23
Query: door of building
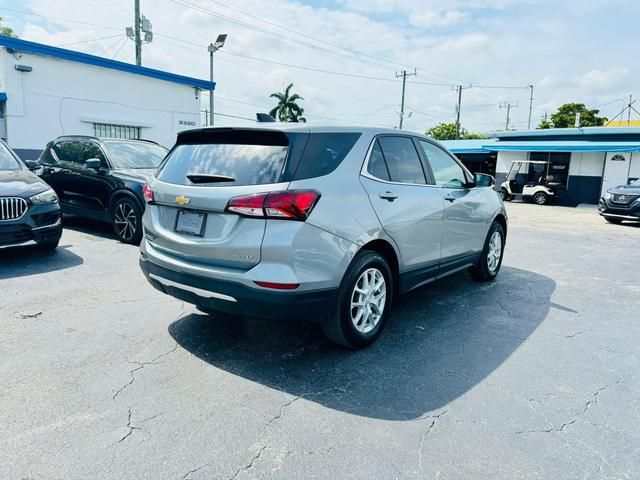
616	170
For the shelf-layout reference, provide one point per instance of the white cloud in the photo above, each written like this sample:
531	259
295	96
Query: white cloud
607	80
437	19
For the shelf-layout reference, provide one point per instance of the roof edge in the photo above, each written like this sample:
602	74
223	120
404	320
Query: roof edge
79	57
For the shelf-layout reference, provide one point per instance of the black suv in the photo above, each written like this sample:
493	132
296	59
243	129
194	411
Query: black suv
102	179
29	210
621	203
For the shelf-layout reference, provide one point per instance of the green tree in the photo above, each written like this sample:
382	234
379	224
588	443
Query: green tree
565	117
287	109
6	31
447	131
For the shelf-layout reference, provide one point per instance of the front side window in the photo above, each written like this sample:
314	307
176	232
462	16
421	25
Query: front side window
91	150
446	171
402	160
135	154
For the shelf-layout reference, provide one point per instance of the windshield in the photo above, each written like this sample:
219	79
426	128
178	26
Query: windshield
7	160
636	183
135	154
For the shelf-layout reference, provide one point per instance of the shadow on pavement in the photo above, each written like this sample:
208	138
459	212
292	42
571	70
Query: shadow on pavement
89	226
24	261
441	341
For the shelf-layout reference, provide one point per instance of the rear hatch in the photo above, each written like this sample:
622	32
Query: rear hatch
196	181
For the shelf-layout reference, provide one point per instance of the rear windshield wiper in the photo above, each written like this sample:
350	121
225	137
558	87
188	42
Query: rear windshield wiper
209	178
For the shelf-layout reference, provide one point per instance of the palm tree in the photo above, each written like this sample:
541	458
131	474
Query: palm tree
287	109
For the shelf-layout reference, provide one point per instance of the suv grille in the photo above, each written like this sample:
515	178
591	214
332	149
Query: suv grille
625	199
12	208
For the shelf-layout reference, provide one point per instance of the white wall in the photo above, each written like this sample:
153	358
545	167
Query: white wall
587	164
505	159
634	168
63	97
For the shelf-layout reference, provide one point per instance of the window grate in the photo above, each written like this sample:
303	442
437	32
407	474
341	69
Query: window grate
106	130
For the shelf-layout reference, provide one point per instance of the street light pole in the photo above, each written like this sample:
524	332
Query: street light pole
214	47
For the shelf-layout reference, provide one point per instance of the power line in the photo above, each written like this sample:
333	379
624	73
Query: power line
88	41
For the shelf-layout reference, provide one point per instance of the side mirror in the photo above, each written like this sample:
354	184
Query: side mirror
93	163
32	165
484	180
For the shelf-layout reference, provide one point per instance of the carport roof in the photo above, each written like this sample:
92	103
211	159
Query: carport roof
563	146
19	45
469	146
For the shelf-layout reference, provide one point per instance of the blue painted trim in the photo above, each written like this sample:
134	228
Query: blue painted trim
3	96
47	50
563	146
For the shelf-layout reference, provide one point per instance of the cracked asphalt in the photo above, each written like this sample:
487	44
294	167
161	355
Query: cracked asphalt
534	376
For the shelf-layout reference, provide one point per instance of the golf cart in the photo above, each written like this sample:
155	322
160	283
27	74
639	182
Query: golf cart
529	180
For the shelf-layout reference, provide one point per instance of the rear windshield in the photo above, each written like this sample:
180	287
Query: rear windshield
247	159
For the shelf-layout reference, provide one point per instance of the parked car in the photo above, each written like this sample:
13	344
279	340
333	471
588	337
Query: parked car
621	203
315	224
102	179
29	210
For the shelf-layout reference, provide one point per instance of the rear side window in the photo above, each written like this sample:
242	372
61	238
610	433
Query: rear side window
249	159
402	160
323	153
377	166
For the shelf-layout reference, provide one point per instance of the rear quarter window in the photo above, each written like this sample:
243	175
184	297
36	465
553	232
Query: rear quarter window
324	152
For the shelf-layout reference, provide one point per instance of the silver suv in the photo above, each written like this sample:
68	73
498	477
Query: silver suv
318	224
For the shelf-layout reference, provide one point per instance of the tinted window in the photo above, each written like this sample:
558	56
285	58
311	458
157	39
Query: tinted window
247	164
446	171
135	154
92	150
7	161
377	166
67	151
324	152
402	160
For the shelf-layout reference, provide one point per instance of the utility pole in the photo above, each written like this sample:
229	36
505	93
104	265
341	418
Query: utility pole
630	107
136	29
458	107
508	106
141	25
530	106
404	76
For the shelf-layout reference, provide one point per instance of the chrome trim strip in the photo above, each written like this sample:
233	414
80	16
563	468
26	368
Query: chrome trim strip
624	217
198	291
51	225
23	244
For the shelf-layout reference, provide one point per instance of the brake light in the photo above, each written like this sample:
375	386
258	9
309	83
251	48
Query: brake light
285	205
147	193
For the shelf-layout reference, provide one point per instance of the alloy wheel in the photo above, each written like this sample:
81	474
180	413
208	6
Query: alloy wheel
125	221
368	300
495	252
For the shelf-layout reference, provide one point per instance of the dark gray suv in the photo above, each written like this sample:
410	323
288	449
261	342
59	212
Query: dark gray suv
319	224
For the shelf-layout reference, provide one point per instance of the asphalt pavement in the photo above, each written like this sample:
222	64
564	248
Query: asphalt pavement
533	376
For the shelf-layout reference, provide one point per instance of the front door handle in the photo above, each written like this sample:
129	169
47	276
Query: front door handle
388	196
450	197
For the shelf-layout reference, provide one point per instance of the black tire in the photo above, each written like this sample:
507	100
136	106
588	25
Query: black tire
481	271
505	195
48	246
540	198
616	221
339	327
126	217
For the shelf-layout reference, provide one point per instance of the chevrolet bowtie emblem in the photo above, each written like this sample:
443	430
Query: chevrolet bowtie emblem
182	200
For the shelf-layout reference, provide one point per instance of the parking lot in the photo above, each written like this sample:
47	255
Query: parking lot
533	376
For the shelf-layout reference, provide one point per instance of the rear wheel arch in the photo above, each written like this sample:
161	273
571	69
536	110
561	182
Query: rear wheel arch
386	250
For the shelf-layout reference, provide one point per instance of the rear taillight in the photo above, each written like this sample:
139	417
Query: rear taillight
285	205
147	193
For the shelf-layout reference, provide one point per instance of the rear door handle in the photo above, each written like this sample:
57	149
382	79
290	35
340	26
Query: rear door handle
450	197
388	196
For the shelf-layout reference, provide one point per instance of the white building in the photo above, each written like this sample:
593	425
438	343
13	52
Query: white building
47	91
586	162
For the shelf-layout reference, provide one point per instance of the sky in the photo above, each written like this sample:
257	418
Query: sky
581	51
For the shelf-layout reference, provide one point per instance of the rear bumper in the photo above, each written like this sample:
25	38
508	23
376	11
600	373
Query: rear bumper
238	299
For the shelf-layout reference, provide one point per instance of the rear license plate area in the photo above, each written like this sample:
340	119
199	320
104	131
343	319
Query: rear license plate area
190	223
